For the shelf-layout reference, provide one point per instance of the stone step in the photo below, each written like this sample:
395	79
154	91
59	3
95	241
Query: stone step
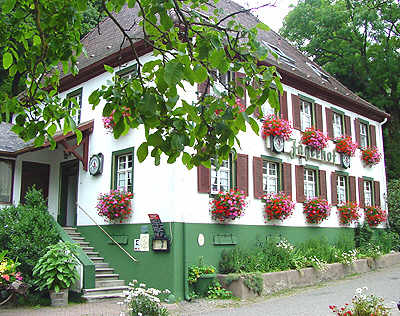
77	238
67	228
108	283
82	243
92	253
107	276
73	234
101	265
100	297
96	259
87	248
102	290
102	270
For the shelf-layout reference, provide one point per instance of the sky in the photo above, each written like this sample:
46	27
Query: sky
271	15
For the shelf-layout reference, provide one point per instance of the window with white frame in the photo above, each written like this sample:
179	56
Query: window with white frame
305	114
367	193
220	177
363	135
6	176
270	177
337	125
310	186
123	170
75	105
341	189
128	73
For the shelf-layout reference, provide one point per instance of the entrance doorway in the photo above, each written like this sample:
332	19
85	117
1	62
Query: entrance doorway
36	174
69	172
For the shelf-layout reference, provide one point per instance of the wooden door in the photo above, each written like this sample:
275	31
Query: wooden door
34	173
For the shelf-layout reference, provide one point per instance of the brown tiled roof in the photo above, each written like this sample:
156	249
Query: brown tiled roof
9	141
106	40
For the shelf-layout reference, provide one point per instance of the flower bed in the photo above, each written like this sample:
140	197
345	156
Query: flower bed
344	145
276	126
314	138
278	206
371	156
228	205
8	271
115	206
374	215
316	210
348	213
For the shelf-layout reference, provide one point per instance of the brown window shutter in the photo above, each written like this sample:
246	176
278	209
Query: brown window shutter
237	76
284	107
300	184
203	179
287	178
296	111
347	125
357	130
242	173
318	117
322	184
334	188
372	132
258	177
202	88
329	122
377	193
361	192
352	189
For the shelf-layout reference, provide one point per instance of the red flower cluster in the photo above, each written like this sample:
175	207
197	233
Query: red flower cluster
314	138
277	206
115	206
342	311
374	215
345	145
228	205
371	156
348	213
316	210
276	126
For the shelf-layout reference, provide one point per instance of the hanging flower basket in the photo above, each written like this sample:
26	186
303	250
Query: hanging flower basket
316	210
278	206
374	215
228	205
276	126
371	156
344	145
115	206
314	138
348	213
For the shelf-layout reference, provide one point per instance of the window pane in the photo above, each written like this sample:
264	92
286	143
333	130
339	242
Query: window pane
124	172
6	181
220	179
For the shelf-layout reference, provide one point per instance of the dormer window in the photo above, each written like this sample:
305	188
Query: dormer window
281	55
128	73
318	72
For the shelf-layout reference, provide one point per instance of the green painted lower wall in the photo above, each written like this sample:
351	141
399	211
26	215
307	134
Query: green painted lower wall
167	270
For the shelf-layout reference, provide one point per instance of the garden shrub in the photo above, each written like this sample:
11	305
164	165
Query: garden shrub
393	202
26	231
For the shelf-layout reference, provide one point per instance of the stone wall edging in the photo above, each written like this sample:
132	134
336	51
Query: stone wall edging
284	280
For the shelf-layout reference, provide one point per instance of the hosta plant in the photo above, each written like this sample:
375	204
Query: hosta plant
316	210
278	206
228	205
273	125
56	270
371	156
115	206
344	145
374	215
314	138
348	213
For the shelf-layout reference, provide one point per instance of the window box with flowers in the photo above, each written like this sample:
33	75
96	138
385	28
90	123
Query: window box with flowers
346	148
348	213
374	215
115	206
278	206
227	206
371	156
316	210
314	139
278	129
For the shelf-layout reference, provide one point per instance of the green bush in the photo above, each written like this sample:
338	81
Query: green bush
26	231
393	202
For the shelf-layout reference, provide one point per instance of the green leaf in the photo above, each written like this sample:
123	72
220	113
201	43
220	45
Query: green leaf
52	129
154	140
142	152
263	26
109	69
173	72
254	125
200	74
78	136
7	60
8	5
39	141
36	40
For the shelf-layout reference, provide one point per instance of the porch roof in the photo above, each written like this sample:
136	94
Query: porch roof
12	145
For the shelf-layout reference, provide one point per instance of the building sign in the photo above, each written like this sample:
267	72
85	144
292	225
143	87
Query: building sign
302	151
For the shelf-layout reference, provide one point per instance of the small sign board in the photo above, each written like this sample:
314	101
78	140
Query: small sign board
158	227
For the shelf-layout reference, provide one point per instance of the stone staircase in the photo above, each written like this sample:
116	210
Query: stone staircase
108	284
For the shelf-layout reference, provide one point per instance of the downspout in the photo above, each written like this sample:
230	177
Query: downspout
185	266
384	174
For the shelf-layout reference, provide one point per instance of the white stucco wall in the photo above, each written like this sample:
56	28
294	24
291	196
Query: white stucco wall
171	190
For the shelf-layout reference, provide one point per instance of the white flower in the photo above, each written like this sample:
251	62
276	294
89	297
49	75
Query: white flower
166	291
142	285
